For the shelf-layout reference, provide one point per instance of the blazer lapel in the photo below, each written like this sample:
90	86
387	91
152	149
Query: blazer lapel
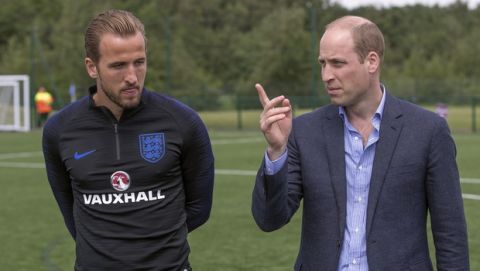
336	158
390	128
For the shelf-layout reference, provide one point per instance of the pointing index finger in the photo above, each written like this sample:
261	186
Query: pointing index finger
262	96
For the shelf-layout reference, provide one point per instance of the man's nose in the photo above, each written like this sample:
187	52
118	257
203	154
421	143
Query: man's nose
327	74
131	75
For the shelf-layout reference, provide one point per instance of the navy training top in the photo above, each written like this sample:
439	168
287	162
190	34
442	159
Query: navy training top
130	190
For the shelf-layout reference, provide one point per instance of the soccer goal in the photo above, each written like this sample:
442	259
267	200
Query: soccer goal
14	103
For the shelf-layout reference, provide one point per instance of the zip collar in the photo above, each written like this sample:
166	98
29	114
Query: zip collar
126	113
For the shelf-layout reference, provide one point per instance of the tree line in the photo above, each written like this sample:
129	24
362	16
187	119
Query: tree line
213	48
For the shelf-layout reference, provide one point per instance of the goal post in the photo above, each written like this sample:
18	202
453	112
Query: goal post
15	103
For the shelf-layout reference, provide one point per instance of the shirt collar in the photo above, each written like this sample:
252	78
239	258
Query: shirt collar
378	113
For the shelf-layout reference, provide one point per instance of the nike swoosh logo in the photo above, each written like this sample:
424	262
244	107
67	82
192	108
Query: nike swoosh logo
78	156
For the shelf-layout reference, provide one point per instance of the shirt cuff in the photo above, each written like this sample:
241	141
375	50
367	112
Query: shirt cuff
272	167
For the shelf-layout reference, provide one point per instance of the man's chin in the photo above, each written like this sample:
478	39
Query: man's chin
130	104
336	101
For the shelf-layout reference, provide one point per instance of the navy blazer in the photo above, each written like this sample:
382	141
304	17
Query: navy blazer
414	173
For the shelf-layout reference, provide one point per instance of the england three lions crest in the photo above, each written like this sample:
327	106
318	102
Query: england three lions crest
152	147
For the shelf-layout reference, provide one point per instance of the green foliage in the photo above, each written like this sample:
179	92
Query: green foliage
277	53
217	47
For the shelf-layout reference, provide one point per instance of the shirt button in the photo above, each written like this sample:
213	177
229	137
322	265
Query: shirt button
356	229
356	138
359	199
360	167
354	261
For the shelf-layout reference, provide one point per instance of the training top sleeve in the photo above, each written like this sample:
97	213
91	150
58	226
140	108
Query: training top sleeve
198	173
56	172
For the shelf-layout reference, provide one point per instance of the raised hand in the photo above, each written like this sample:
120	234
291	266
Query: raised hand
275	122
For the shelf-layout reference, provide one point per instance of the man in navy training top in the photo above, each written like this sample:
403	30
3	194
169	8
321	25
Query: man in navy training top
132	170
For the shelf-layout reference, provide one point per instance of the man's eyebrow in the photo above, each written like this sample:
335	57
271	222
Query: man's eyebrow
333	59
336	59
116	63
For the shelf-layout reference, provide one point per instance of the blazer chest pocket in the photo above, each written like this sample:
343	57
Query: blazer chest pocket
410	169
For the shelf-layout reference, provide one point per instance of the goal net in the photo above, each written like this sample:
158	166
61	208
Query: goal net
14	103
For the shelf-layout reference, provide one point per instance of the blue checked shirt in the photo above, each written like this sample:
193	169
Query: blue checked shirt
359	162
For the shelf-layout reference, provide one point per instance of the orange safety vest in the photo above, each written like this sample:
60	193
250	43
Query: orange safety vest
43	102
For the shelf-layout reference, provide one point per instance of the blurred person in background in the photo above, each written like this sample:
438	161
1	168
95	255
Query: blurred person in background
43	105
442	110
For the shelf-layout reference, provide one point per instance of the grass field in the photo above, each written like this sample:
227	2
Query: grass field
33	236
460	118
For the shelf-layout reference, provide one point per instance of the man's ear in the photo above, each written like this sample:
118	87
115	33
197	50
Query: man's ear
373	60
91	68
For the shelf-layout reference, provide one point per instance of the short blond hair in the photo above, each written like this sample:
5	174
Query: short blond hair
118	22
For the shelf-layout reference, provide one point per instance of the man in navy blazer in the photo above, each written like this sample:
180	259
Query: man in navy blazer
369	168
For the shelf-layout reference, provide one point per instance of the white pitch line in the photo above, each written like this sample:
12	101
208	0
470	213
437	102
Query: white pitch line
214	142
470	180
471	196
237	141
238	172
20	155
21	165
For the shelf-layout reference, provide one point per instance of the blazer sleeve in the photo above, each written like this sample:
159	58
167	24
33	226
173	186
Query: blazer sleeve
276	198
445	202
